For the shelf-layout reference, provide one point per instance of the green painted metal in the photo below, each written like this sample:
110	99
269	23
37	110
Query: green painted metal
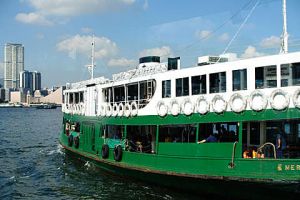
210	160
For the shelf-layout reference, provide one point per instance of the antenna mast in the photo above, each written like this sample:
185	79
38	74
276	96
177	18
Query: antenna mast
92	66
284	37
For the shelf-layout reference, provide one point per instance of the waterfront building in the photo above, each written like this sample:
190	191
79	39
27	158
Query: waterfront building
30	80
26	80
36	81
13	64
2	95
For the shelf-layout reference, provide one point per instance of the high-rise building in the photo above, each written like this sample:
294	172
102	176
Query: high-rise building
13	65
36	80
26	79
30	81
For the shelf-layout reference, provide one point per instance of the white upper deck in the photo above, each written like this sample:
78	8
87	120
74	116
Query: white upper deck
154	83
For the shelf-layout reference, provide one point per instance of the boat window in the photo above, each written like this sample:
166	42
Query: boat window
108	94
217	82
269	132
81	97
239	79
71	98
119	94
76	97
218	132
182	87
265	77
198	85
141	138
113	131
147	89
166	89
185	133
290	74
132	92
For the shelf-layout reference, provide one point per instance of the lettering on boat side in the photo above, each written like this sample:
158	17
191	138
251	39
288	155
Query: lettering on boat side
281	167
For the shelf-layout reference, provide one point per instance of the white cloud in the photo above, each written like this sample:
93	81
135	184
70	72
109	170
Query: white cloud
251	52
77	7
86	30
204	34
224	37
33	18
81	45
272	41
230	56
121	62
46	10
163	52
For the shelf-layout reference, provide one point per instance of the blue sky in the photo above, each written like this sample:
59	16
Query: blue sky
57	34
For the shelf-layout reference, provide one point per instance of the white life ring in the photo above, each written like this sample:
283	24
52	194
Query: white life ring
202	105
161	108
218	104
187	106
127	110
237	103
81	105
74	109
279	99
296	98
78	109
108	110
134	109
121	110
174	107
258	100
102	110
115	110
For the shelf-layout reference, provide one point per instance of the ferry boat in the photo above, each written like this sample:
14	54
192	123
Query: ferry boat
211	126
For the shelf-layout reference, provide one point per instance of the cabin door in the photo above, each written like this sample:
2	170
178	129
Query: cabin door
88	131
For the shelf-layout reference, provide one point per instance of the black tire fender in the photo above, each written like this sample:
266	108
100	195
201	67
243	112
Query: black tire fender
118	153
105	151
76	142
70	140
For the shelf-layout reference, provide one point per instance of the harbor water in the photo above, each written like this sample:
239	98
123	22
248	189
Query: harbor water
33	165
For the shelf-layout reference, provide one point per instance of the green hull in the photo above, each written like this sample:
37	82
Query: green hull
208	164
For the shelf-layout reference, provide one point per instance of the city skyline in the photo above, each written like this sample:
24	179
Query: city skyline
57	35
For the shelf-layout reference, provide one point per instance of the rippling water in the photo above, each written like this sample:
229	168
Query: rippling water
33	166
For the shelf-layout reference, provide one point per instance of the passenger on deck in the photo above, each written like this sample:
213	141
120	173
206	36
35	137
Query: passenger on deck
280	143
211	138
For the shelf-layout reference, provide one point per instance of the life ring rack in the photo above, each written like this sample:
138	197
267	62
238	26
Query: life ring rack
134	108
254	105
202	105
102	110
161	108
237	103
187	106
82	108
279	103
296	98
108	110
121	110
174	107
127	110
115	110
215	105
